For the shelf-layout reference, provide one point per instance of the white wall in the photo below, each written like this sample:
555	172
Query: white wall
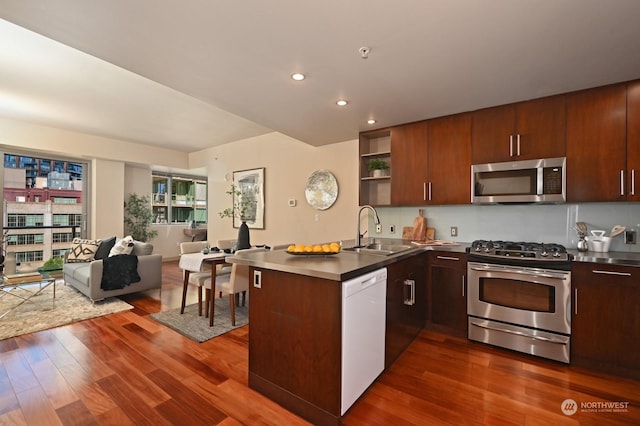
288	164
107	204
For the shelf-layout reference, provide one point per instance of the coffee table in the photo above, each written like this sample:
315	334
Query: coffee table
32	289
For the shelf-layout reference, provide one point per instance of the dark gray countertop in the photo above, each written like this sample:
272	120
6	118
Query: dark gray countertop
346	265
612	257
338	267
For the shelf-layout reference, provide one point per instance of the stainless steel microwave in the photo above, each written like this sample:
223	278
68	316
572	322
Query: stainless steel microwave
528	181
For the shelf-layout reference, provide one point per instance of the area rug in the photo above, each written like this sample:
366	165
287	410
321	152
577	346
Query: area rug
197	327
41	314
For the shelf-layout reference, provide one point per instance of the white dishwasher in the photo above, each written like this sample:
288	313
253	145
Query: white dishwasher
363	330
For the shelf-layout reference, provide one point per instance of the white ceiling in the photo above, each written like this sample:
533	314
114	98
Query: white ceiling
198	73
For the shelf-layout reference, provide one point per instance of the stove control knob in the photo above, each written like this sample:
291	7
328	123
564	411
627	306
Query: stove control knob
544	254
556	254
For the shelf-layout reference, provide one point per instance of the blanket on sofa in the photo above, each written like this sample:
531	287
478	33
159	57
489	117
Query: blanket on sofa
119	271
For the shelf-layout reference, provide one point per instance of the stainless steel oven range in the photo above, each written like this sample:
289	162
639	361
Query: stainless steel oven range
519	297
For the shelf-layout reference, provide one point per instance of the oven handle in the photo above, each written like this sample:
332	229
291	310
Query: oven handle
519	333
515	269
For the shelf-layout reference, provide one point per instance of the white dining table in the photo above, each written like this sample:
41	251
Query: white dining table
193	262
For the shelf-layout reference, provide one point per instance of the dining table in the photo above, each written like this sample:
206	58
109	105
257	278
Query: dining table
193	262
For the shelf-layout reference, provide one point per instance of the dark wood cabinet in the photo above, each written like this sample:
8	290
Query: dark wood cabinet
449	160
295	343
406	304
409	150
447	293
596	144
521	131
633	141
606	318
432	161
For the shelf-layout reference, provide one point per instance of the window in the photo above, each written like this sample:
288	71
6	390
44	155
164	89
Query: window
178	199
67	219
21	239
17	220
65	200
62	237
29	256
58	253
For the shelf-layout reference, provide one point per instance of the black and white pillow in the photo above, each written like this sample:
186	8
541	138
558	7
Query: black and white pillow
83	250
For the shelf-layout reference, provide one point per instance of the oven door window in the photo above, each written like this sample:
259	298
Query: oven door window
516	294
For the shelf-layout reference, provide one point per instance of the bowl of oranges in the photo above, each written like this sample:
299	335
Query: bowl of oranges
314	249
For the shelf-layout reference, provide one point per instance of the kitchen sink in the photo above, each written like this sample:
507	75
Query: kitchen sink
380	249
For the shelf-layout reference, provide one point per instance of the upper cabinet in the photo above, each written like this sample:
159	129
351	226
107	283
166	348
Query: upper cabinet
597	129
633	141
449	160
432	161
521	131
596	144
409	149
375	148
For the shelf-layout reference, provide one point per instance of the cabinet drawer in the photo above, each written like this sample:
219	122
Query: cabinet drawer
448	259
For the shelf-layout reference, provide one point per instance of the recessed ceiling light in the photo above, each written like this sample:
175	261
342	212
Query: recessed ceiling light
342	102
371	121
298	76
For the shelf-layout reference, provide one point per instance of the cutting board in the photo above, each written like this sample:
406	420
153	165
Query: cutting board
407	233
419	227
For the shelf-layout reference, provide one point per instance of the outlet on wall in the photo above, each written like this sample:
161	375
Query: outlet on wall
454	231
378	229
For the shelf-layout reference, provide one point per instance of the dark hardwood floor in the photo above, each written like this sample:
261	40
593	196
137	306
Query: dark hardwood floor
128	369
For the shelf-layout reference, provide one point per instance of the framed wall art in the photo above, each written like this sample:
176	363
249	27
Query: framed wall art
249	198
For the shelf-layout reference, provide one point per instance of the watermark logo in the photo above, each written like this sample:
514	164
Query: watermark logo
569	407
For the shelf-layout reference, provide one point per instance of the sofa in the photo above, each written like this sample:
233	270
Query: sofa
86	275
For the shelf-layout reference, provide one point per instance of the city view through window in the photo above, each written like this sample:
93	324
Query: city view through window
42	210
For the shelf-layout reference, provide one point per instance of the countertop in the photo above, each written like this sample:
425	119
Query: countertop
337	267
346	265
613	257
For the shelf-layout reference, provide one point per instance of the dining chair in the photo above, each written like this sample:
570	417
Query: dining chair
233	284
198	278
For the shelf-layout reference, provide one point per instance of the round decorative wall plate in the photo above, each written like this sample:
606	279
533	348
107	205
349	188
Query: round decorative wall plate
321	190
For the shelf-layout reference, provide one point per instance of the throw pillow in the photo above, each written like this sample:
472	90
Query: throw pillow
105	248
83	250
123	246
142	249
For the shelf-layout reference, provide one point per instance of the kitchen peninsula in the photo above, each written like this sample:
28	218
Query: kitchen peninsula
295	307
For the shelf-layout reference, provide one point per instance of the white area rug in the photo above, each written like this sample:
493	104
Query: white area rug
42	313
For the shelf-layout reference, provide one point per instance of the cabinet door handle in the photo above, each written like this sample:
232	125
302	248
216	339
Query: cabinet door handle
424	191
518	145
429	191
409	292
463	286
622	182
575	301
621	274
447	258
510	145
633	181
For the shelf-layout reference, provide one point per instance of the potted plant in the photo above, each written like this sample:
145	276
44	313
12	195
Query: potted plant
379	167
138	216
52	267
238	209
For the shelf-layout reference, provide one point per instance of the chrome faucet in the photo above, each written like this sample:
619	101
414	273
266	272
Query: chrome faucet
377	220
